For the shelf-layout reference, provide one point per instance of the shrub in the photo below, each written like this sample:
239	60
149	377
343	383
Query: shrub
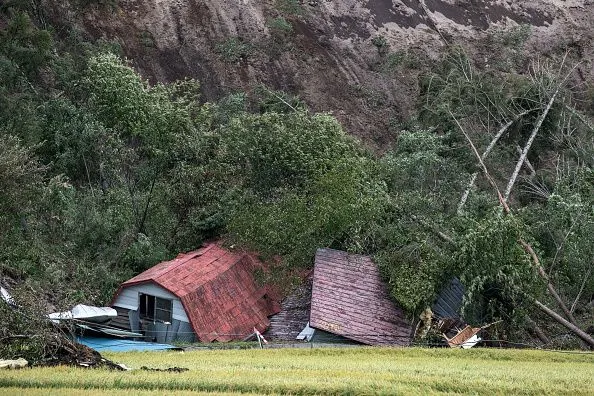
234	49
381	44
280	27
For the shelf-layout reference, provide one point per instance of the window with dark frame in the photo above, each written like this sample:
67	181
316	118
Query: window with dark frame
155	308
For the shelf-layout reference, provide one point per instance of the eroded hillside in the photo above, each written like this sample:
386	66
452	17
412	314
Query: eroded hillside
333	54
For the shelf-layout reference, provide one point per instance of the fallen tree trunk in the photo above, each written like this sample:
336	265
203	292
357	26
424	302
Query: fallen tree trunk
550	286
533	328
528	248
570	326
485	154
522	158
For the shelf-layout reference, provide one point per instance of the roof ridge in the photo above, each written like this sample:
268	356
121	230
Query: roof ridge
175	266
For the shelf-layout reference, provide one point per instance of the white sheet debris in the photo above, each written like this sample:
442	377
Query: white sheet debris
85	312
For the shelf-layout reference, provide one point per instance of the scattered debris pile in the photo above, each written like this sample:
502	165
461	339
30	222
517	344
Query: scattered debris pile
443	325
465	338
288	324
29	336
87	319
71	353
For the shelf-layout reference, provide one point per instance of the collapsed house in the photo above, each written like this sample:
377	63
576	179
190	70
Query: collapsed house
286	325
206	295
348	303
445	313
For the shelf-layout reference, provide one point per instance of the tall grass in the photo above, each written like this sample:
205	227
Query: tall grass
326	371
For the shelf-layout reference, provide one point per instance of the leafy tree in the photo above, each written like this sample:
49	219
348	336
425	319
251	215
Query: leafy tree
338	210
273	151
25	47
421	175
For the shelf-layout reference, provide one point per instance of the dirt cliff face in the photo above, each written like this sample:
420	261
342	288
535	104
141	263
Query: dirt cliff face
330	53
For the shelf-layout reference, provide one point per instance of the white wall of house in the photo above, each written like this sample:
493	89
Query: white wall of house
128	298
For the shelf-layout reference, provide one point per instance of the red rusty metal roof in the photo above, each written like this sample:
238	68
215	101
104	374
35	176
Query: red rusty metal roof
218	291
350	299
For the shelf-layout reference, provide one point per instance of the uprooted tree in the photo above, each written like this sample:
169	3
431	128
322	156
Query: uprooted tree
497	252
427	212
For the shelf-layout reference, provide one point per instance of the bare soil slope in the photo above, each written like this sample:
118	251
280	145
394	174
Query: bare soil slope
332	55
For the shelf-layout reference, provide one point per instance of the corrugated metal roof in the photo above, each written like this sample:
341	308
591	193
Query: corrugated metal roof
218	291
350	299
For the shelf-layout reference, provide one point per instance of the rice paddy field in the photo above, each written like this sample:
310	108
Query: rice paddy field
342	371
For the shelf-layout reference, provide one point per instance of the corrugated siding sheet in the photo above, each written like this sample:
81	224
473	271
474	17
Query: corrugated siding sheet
449	301
122	321
350	299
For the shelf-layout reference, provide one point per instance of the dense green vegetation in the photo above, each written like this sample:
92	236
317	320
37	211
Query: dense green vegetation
103	175
325	371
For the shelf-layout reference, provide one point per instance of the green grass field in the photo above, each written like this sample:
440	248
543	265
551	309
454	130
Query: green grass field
320	371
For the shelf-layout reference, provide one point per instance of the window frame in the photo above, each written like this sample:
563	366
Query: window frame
152	310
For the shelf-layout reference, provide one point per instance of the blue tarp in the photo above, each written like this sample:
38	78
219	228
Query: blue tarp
121	345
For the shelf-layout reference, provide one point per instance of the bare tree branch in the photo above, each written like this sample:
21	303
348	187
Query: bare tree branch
485	154
482	164
579	295
522	158
537	126
580	117
430	227
280	98
432	22
527	162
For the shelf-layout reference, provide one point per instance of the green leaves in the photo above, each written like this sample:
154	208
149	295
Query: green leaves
275	151
497	272
306	185
415	271
26	47
336	210
117	94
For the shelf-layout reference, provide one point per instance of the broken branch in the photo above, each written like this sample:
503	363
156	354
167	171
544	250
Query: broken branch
579	295
482	164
